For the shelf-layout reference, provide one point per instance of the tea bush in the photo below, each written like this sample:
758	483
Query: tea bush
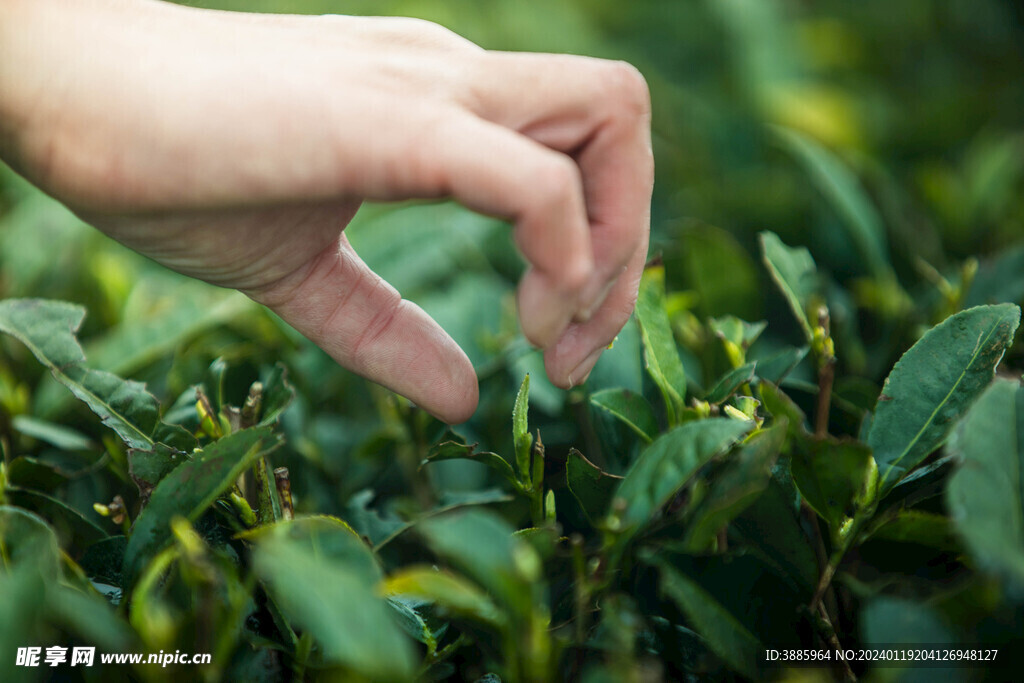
783	452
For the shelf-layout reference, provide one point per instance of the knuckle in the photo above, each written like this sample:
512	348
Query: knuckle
556	180
627	88
423	33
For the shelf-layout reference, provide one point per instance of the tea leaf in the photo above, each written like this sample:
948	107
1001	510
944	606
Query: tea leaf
920	527
453	447
730	382
630	408
27	541
934	383
775	368
771	526
841	187
481	545
725	635
795	274
592	487
667	465
191	488
743	478
324	537
660	354
838	479
521	438
985	494
445	589
335	603
48	329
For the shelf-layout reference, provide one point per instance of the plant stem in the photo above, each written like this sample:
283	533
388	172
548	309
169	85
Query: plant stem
826	376
829	635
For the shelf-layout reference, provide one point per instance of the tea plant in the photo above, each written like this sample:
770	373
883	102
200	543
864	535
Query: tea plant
710	525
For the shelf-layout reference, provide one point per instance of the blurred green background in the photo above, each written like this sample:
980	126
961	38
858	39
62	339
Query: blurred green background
888	137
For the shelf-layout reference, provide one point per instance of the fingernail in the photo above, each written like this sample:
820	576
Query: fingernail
583	370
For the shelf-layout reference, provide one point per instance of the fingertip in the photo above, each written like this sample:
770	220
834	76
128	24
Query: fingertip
544	313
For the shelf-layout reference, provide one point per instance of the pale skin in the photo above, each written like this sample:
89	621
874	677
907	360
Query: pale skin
235	148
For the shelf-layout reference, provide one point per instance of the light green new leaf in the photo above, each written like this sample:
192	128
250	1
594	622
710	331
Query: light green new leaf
934	383
334	602
725	635
667	465
986	494
794	272
48	329
841	187
660	354
521	438
630	408
744	477
191	488
592	487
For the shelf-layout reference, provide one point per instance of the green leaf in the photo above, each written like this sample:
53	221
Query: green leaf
781	406
454	593
29	473
191	488
771	526
730	382
592	487
838	478
147	467
64	438
985	494
27	541
453	447
743	478
739	332
630	408
324	538
48	329
923	528
277	395
795	274
660	354
934	383
667	465
841	187
89	617
482	546
775	368
521	438
333	601
999	280
711	262
725	635
71	524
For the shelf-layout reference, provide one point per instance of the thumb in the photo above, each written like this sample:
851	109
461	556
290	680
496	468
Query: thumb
362	322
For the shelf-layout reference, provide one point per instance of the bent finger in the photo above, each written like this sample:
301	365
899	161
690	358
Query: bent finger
362	322
569	362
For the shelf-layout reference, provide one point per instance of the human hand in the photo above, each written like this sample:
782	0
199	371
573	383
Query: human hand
235	148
